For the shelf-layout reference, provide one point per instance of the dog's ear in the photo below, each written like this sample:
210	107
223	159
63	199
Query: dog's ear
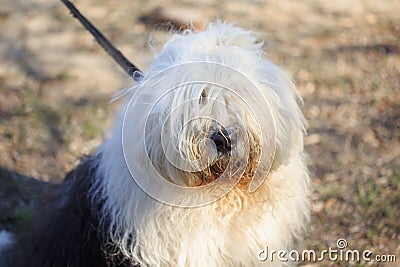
285	102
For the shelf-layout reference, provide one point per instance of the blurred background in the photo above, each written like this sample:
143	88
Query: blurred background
56	84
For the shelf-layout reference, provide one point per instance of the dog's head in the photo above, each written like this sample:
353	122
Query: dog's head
210	109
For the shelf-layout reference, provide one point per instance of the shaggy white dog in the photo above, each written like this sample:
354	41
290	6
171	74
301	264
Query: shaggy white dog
205	167
210	85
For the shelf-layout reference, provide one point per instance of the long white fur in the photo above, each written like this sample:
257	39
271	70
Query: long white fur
230	231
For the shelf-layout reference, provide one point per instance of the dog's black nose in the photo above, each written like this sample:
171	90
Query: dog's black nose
222	141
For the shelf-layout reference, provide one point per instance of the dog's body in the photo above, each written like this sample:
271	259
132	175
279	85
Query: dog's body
103	217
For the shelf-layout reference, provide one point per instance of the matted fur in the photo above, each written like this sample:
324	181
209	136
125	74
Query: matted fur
231	230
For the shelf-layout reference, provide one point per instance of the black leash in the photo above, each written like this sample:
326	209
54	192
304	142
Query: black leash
124	63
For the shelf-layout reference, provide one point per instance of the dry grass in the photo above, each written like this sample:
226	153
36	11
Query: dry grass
55	84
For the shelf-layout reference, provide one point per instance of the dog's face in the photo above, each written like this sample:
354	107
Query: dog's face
207	117
199	130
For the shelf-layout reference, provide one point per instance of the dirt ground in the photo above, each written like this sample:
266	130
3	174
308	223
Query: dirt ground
56	83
